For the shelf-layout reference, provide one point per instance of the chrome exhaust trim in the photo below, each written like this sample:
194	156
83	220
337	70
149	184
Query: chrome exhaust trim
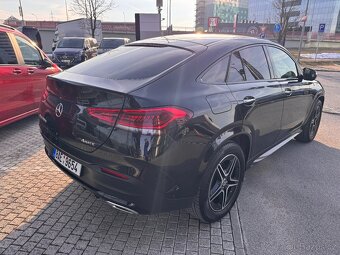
121	208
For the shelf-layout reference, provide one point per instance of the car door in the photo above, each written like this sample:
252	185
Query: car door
13	81
36	78
296	92
259	102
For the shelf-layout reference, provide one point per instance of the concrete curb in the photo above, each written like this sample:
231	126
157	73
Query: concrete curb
331	112
327	71
237	231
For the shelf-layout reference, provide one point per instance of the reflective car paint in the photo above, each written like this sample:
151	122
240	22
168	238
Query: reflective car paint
21	85
164	168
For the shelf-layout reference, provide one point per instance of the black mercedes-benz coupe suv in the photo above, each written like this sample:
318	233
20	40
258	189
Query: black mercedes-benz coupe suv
173	122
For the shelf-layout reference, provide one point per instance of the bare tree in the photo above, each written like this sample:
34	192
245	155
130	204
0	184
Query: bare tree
285	10
91	10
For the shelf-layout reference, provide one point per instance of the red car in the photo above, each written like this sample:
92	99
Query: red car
23	71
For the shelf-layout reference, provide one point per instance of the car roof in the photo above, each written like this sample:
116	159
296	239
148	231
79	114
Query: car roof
9	29
191	41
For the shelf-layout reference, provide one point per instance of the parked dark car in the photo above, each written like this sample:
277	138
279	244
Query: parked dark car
71	51
111	43
174	122
23	71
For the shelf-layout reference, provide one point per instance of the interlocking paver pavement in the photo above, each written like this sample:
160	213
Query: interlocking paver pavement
42	211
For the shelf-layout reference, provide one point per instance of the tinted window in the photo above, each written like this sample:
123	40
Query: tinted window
7	55
283	65
255	63
236	72
33	34
111	43
30	54
71	43
217	73
132	62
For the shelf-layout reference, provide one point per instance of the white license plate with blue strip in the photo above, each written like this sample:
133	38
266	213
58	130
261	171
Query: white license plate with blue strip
70	164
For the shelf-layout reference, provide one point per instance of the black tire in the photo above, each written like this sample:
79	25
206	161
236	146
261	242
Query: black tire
311	127
208	206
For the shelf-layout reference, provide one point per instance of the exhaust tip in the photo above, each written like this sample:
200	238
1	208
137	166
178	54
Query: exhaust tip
122	208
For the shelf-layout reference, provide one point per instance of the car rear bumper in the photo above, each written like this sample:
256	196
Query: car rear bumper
157	194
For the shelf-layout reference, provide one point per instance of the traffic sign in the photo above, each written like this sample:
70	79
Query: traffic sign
322	27
213	21
277	27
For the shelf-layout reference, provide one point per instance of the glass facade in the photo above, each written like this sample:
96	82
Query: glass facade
224	9
319	12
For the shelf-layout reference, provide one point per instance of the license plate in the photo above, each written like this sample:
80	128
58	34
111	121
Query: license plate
66	61
70	164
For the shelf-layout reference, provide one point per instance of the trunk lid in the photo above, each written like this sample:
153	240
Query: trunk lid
65	116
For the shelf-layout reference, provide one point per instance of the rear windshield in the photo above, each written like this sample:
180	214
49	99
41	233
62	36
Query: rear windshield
132	62
71	43
111	43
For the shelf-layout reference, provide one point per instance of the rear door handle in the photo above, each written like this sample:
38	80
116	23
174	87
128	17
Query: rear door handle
30	71
17	71
249	100
288	91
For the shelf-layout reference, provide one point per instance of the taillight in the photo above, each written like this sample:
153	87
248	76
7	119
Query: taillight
151	118
106	115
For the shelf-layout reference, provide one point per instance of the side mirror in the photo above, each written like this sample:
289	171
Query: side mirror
309	74
45	63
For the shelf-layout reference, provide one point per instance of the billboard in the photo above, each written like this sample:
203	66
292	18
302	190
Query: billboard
148	25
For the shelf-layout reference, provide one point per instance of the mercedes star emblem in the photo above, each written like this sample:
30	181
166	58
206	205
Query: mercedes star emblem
59	110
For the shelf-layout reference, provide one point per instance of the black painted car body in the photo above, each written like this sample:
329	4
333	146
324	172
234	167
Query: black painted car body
146	127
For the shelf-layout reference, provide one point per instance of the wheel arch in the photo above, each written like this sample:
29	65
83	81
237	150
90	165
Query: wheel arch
240	135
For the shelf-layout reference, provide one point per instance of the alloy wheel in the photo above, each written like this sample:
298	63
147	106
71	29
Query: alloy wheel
315	121
224	182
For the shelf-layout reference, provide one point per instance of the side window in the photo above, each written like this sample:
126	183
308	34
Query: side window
7	55
255	64
217	73
30	54
283	65
236	72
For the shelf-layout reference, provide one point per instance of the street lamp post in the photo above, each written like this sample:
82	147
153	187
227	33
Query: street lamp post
36	17
169	13
125	23
303	30
21	12
66	10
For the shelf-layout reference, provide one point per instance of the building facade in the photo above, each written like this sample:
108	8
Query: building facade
225	10
319	12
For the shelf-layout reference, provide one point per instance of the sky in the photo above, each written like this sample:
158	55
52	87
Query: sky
183	11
